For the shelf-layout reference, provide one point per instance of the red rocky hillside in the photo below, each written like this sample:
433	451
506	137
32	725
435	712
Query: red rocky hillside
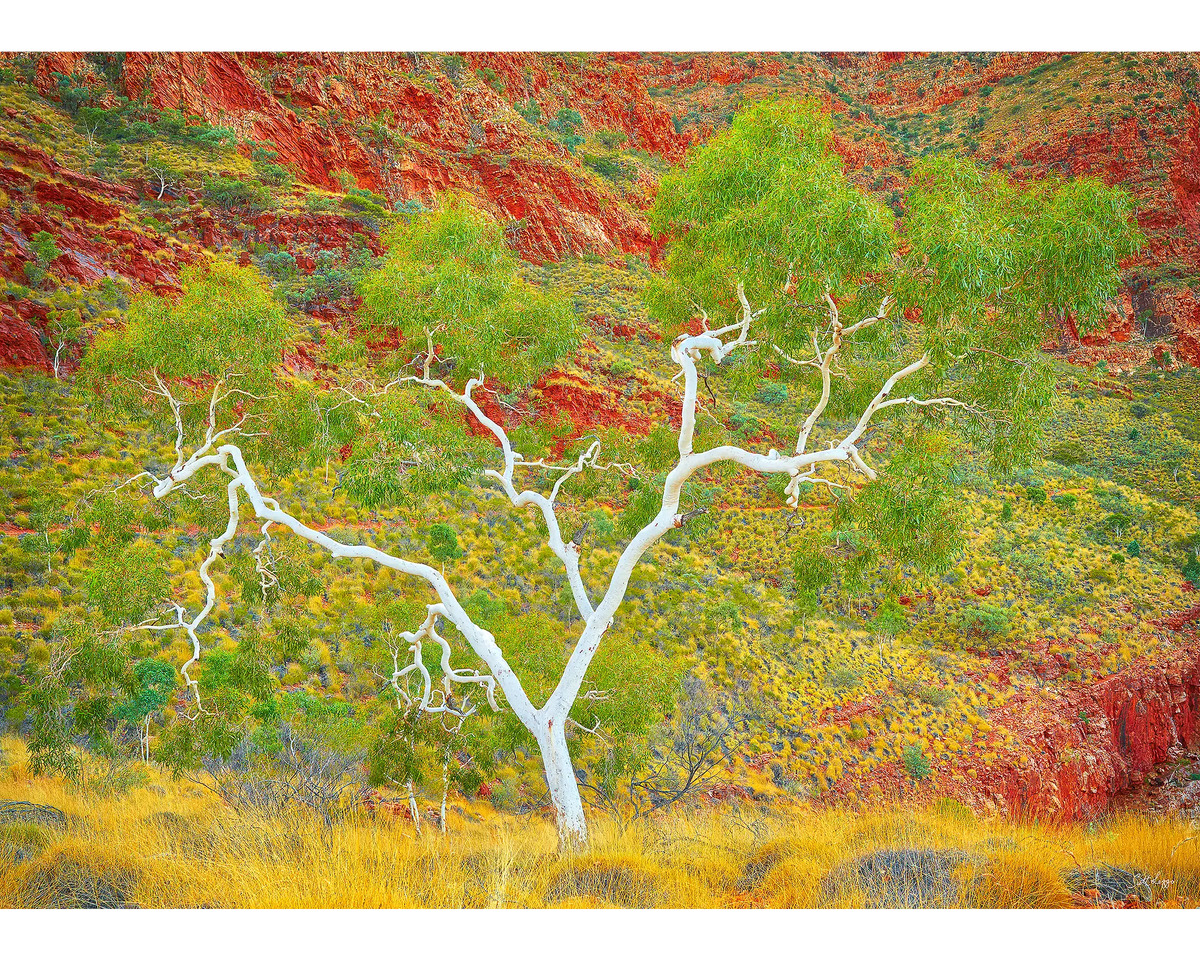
565	149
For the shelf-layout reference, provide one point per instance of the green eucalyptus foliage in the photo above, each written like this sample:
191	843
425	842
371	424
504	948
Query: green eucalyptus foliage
890	619
642	507
449	269
443	542
226	322
233	680
301	426
240	699
412	449
125	583
813	569
978	265
990	264
765	196
74	696
294	575
912	512
155	684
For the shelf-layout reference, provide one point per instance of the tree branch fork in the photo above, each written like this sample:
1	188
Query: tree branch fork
547	723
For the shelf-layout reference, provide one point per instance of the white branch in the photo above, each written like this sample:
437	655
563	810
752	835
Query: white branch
547	723
567	553
228	457
428	631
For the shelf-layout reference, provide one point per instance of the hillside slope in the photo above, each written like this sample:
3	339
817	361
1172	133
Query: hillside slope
565	150
116	172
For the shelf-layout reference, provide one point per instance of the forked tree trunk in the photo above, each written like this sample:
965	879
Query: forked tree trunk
413	809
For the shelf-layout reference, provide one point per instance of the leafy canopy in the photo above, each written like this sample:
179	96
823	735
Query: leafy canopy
766	196
448	270
225	322
768	199
979	267
125	583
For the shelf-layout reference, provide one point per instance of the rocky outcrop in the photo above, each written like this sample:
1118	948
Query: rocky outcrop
79	211
20	344
1085	746
409	127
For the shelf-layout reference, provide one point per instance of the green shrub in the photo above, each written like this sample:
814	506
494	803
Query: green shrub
772	394
273	173
1069	453
890	618
611	139
491	78
843	678
443	543
278	265
531	110
609	167
231	193
934	696
364	201
44	247
986	621
916	763
601	523
1191	569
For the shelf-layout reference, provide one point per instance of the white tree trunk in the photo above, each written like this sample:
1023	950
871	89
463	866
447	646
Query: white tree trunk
413	810
560	778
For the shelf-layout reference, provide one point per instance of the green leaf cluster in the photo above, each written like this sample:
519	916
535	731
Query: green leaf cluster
225	322
448	271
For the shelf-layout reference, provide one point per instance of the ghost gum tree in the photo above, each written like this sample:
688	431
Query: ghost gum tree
927	324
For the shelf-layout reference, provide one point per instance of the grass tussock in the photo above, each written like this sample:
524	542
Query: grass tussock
170	844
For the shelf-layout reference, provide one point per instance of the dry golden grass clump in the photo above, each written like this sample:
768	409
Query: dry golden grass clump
168	844
83	879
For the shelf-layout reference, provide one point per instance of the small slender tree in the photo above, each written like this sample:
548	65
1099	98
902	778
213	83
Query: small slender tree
931	324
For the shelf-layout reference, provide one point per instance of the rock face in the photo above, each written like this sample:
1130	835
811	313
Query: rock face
1087	745
20	345
428	132
84	216
410	126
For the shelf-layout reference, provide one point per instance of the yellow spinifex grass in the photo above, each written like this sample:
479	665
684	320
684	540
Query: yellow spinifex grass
171	844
